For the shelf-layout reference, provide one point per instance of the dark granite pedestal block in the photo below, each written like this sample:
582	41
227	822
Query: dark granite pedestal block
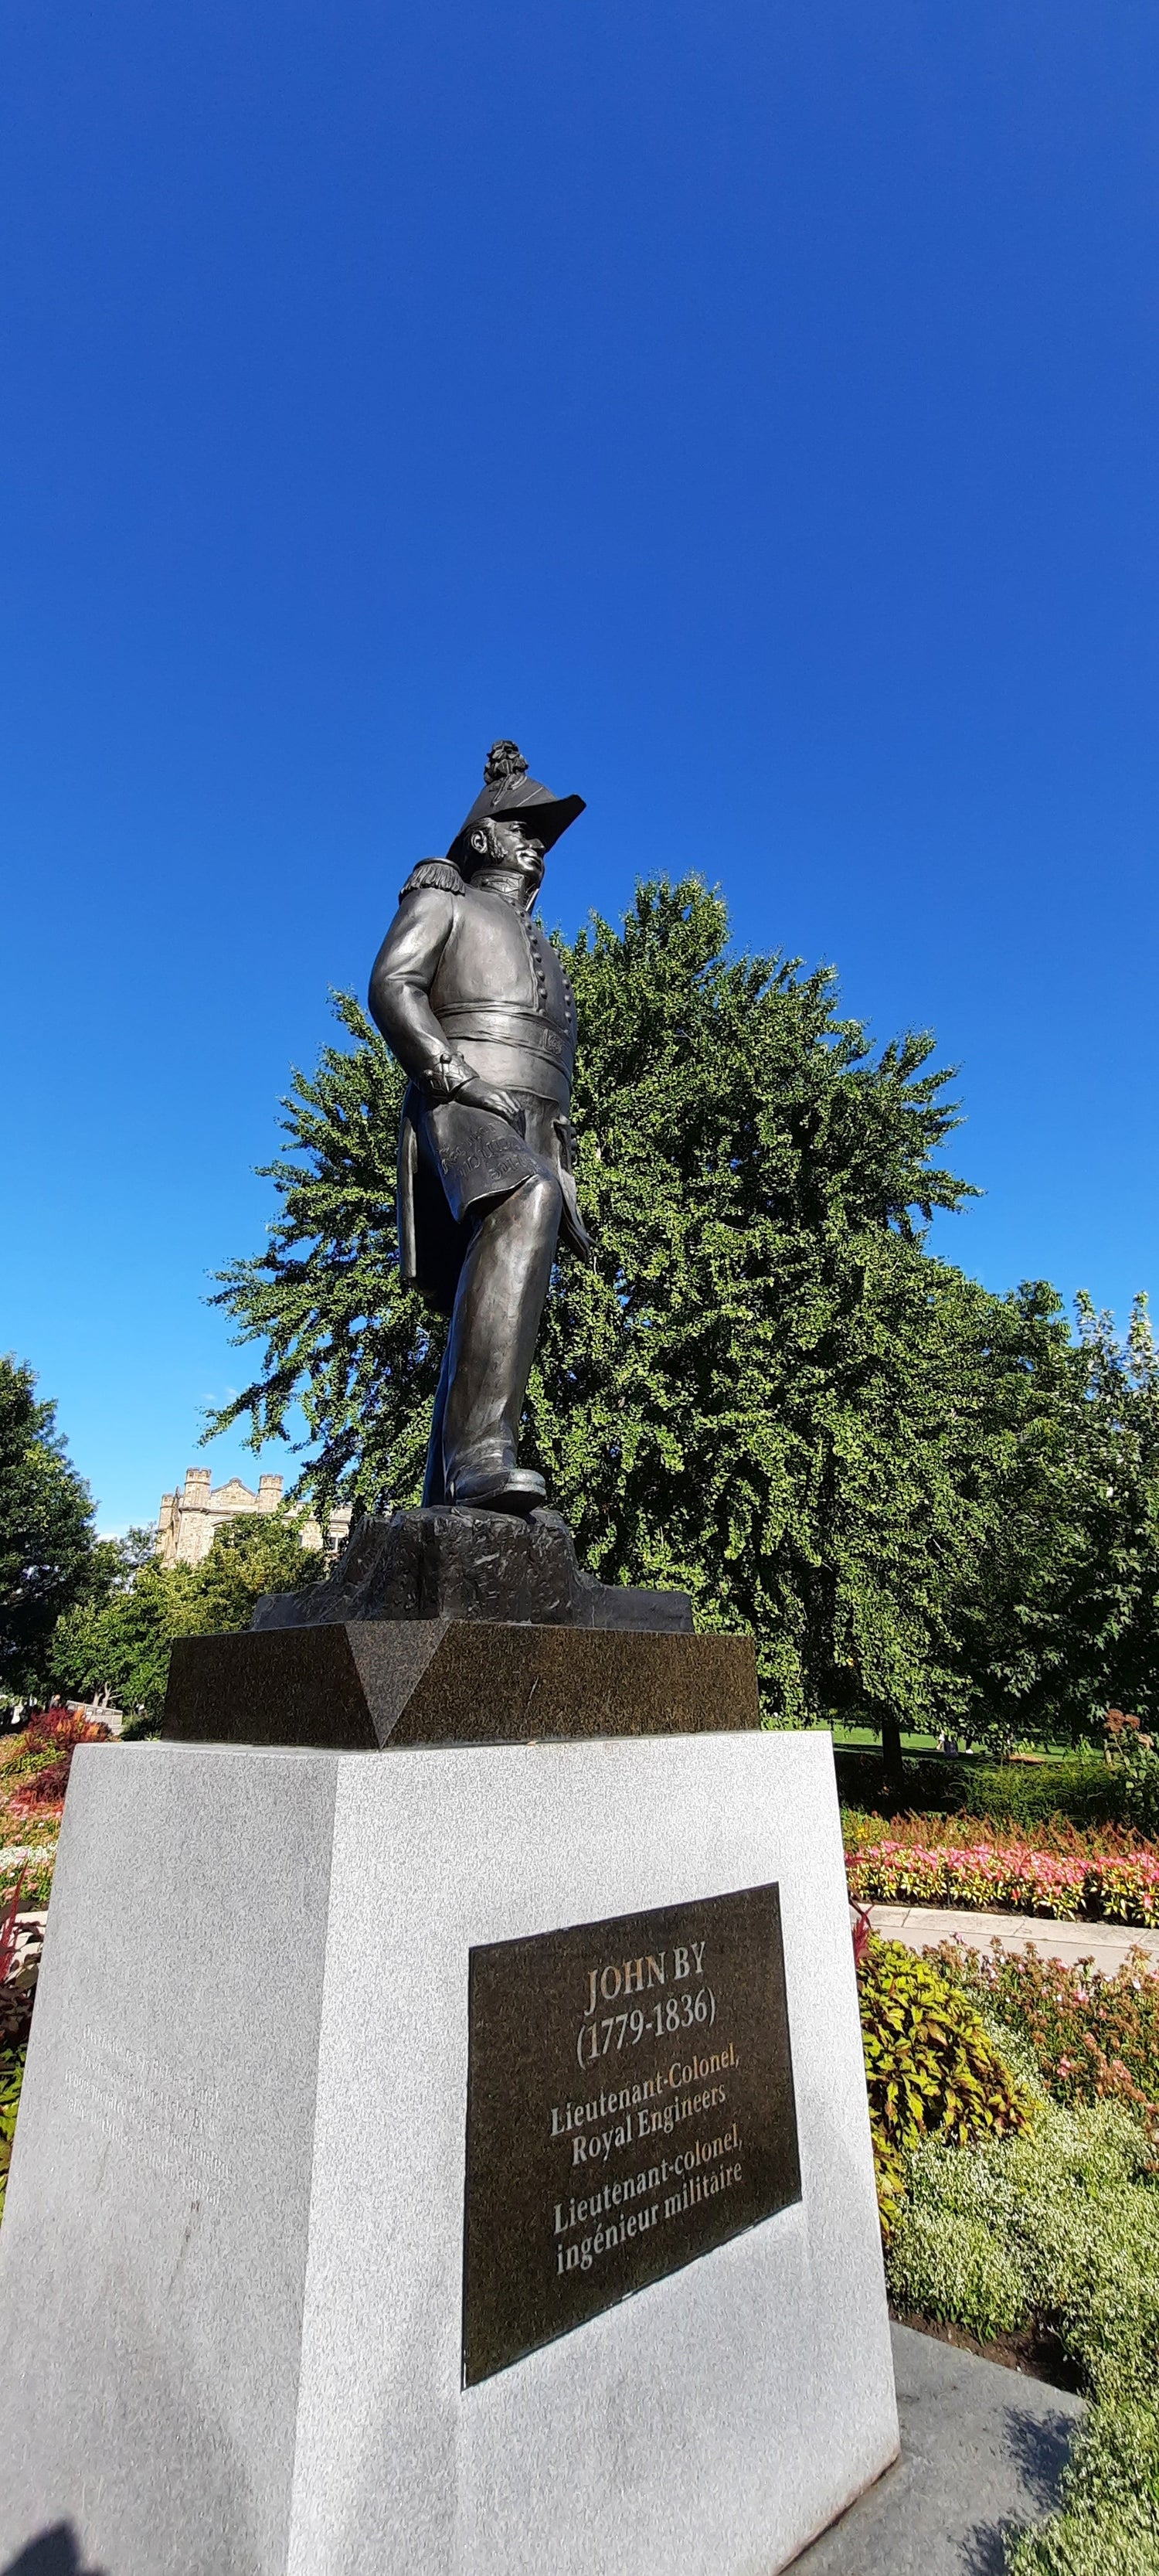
457	1627
381	1683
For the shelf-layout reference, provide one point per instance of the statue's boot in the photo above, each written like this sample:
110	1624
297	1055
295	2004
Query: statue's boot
498	1304
508	1489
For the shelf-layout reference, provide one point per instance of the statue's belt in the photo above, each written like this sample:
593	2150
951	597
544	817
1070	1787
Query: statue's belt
502	1024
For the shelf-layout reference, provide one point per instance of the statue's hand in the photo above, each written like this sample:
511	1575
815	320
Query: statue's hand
477	1094
454	1079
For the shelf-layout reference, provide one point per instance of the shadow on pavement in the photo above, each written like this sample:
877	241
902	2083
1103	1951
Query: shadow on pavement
983	2455
1040	2448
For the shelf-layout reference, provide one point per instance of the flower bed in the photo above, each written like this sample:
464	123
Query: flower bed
1055	2230
34	1769
1094	2037
1007	1877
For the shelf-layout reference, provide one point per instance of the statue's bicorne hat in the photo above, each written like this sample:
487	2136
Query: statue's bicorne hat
509	795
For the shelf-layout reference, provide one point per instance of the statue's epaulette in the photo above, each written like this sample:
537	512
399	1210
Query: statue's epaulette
442	874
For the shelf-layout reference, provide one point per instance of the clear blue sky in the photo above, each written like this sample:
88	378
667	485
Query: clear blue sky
749	407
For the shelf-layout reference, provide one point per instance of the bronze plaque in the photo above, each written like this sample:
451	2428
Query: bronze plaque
629	2107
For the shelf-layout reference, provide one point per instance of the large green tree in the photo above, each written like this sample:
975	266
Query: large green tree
46	1528
765	1388
1092	1619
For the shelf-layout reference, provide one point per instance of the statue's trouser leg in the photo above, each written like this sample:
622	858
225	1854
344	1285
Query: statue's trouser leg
498	1304
434	1483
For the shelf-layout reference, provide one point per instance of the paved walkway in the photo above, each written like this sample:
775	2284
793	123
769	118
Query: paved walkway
921	1927
982	2449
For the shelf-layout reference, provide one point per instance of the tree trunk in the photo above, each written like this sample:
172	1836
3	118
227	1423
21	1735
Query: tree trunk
891	1755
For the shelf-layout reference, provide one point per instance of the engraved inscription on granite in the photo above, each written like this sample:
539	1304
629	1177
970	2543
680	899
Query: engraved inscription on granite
629	2107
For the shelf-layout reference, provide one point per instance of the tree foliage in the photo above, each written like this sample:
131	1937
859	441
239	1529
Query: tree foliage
1099	1613
46	1528
117	1639
765	1388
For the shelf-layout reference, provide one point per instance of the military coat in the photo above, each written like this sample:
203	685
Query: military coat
467	983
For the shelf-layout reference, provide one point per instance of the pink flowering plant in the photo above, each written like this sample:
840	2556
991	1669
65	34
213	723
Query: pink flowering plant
1004	1876
1094	2036
1127	1891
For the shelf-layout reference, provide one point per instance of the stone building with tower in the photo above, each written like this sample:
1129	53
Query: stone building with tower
188	1521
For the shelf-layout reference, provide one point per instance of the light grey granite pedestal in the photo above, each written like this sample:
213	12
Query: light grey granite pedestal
231	2272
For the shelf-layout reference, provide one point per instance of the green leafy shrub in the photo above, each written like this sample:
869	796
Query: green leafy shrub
1109	2524
952	2266
931	2066
11	2077
17	1994
1073	2207
1092	2037
1081	1789
1135	1768
1058	2225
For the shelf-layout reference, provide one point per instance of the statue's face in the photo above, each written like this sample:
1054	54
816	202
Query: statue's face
509	844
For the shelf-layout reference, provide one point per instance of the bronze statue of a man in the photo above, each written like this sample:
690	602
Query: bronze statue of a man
478	1010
